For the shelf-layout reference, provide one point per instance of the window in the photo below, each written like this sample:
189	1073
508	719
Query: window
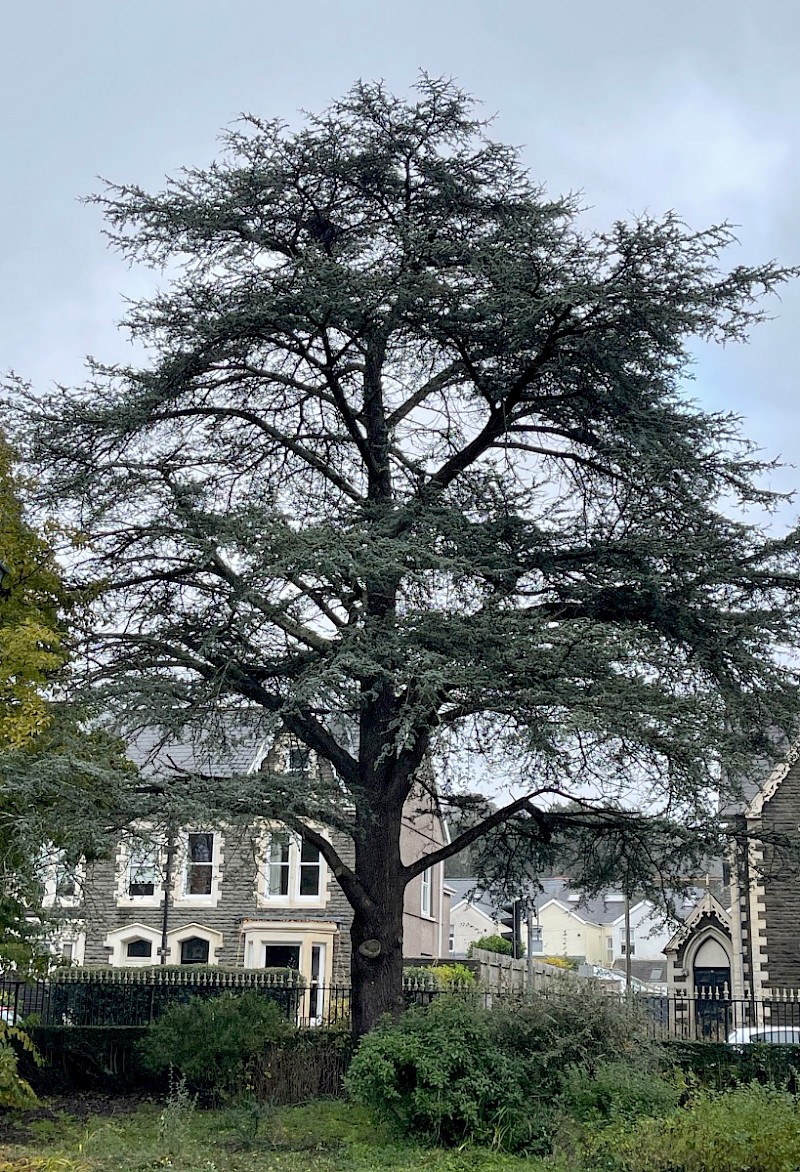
66	881
297	759
199	864
282	956
194	950
143	870
139	949
310	865
425	896
625	949
293	870
278	865
316	990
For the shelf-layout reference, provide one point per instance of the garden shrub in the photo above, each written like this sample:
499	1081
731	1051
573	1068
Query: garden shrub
455	1072
618	1091
215	1045
497	944
439	976
749	1129
436	1075
15	1091
554	1031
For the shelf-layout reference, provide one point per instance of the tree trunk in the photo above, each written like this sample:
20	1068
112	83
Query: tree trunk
376	966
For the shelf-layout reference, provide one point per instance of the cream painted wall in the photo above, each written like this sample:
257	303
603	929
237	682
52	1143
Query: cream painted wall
564	934
470	924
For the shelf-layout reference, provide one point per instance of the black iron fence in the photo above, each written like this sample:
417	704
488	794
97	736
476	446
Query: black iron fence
91	998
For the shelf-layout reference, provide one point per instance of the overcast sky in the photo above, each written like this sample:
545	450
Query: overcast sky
692	106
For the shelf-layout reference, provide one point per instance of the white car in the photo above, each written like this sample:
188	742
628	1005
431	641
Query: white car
771	1035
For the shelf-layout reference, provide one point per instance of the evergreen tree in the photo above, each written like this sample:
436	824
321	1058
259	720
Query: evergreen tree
412	471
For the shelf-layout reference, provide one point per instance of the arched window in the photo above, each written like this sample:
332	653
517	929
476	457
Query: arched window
194	950
139	949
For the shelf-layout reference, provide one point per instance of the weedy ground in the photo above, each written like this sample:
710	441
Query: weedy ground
245	1136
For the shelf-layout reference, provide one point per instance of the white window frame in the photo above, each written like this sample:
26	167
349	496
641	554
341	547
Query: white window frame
52	865
180	896
126	853
305	935
118	940
426	893
292	898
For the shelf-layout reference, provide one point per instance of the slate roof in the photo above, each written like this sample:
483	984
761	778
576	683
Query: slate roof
650	971
599	909
235	749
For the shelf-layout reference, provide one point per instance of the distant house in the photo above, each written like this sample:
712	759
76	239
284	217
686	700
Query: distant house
566	923
472	916
255	896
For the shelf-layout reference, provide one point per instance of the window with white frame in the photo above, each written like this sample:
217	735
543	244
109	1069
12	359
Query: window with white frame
63	880
143	877
303	945
293	870
199	868
426	895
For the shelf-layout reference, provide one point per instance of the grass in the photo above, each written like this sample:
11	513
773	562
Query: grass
319	1137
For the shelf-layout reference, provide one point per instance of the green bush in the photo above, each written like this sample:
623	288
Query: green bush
582	1027
454	1072
750	1129
439	976
15	1091
215	1045
618	1091
496	944
436	1075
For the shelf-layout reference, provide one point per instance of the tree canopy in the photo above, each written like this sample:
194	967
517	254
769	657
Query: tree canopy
61	784
412	470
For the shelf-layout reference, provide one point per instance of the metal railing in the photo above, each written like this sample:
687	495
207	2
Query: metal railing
95	999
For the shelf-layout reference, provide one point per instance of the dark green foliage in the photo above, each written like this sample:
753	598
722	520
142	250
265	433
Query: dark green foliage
492	944
78	1058
750	1129
413	453
719	1067
454	1072
214	1045
136	997
618	1092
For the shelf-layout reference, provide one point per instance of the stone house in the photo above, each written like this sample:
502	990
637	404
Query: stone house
749	943
250	897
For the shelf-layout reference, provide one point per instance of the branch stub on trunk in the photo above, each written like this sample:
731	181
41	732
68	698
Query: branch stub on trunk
370	949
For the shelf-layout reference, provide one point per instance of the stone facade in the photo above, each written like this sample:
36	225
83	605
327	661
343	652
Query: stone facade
751	948
253	897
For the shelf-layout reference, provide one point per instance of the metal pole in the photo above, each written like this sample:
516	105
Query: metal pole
531	971
167	893
627	941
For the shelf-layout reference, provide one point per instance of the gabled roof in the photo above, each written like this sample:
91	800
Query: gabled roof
707	907
770	785
240	750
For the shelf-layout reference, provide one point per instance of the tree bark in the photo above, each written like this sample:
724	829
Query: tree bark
376	965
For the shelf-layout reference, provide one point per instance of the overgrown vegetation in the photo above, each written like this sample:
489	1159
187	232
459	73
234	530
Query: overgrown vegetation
455	1072
492	944
215	1046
